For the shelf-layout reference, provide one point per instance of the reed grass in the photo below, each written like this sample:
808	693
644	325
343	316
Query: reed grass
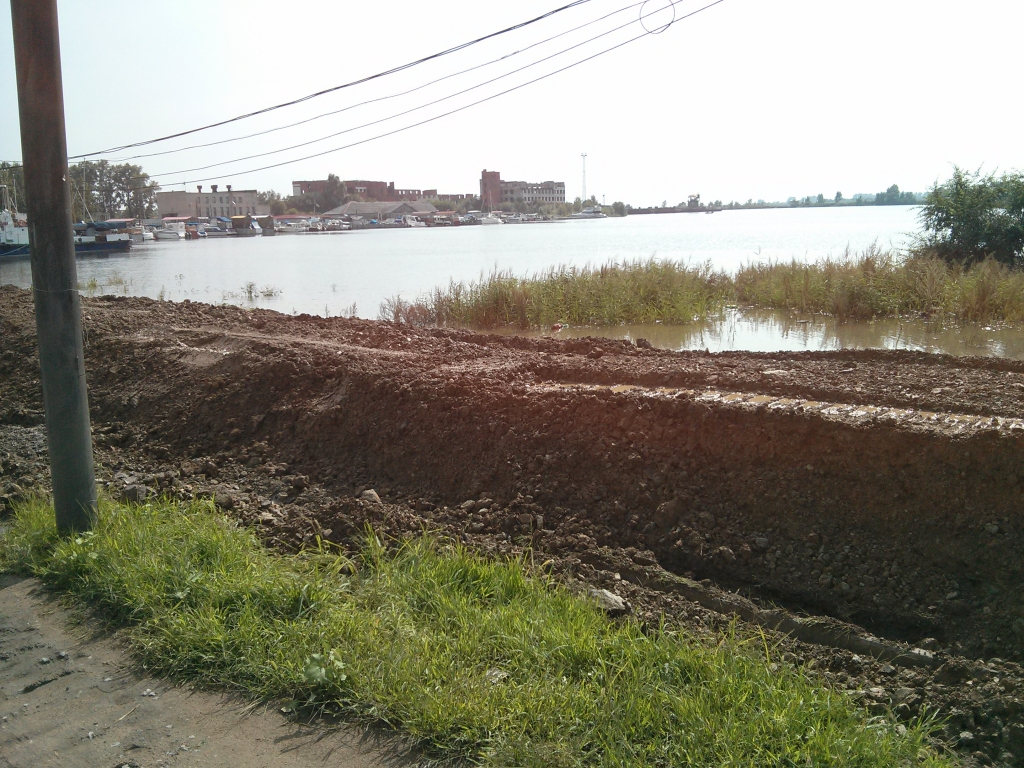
871	284
644	291
485	660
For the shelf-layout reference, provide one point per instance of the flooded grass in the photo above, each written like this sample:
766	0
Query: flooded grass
644	291
484	660
874	283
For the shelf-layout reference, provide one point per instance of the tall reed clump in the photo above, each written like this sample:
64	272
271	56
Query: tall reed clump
878	283
643	291
488	661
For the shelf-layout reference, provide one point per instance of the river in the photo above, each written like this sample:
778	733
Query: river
332	273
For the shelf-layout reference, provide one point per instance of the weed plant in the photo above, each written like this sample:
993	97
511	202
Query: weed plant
472	658
874	283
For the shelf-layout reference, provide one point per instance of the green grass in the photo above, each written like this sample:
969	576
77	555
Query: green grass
624	292
474	658
872	284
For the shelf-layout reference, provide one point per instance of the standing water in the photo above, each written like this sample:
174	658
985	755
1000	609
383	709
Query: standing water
330	274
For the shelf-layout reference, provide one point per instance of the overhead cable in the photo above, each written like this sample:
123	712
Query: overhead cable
383	98
325	91
416	108
453	111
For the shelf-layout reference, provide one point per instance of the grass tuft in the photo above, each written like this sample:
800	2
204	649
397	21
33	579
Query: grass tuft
874	283
475	658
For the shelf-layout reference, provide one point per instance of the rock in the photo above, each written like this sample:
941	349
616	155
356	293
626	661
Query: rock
745	552
298	482
825	580
370	495
595	353
813	538
877	693
609	602
224	500
643	343
1018	627
667	514
268	519
761	543
525	519
992	528
135	494
929	644
965	739
725	554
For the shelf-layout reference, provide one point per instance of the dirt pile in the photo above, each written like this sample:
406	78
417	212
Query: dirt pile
876	495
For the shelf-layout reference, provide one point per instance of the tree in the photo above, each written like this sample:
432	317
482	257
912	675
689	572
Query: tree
12	176
619	209
277	207
893	196
100	190
839	197
972	217
821	198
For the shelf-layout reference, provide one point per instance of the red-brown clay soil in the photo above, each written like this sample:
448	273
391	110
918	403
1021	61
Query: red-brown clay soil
866	503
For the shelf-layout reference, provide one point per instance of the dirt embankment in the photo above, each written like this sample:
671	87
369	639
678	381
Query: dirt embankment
882	490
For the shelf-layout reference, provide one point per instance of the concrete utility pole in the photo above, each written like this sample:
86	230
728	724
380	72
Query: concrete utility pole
584	156
54	277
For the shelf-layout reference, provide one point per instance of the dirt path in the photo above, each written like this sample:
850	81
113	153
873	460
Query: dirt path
70	696
866	504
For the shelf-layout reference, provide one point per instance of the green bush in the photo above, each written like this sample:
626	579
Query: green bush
973	217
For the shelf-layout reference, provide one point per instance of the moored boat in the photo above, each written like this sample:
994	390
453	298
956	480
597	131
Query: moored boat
593	212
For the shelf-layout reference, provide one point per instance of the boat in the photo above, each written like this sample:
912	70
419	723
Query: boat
13	228
414	221
245	226
91	237
266	224
216	231
172	229
494	217
593	212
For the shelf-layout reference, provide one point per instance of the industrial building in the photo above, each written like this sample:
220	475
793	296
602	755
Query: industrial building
210	204
494	191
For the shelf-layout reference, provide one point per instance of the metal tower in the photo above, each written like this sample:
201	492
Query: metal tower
584	198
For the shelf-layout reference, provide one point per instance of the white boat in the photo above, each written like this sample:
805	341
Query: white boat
13	228
413	221
171	230
492	218
594	212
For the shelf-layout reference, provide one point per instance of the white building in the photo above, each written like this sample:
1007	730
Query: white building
211	203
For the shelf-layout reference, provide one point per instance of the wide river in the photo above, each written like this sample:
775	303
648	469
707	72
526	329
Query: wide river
329	273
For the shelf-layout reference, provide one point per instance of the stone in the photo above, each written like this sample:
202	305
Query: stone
877	693
667	514
135	494
761	542
370	495
224	500
643	343
966	739
992	528
610	603
1018	627
525	519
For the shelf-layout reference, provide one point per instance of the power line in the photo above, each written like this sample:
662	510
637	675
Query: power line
367	79
413	109
381	98
453	111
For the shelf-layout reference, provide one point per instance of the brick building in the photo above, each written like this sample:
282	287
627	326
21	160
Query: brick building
494	191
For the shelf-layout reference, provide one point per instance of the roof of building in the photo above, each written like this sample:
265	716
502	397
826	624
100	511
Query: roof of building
381	209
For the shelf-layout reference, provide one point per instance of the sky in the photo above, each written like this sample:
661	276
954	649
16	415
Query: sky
746	99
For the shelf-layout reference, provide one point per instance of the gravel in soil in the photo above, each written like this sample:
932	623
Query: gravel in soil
865	502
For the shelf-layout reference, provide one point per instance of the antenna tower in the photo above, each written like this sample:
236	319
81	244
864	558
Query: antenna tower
584	198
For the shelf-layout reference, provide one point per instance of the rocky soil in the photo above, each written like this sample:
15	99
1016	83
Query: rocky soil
863	507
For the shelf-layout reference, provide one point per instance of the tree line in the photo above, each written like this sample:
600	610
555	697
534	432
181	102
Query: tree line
99	190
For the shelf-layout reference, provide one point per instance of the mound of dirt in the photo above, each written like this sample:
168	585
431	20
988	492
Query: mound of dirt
864	504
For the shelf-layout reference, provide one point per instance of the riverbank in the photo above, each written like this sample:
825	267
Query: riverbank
865	503
873	284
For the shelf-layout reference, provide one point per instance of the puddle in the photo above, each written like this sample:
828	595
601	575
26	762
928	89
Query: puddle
764	331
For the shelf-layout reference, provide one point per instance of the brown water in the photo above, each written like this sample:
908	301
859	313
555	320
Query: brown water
767	331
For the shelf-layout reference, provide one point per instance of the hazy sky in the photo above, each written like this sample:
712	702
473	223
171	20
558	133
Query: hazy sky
747	99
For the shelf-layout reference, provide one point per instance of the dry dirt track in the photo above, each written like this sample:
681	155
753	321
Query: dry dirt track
70	697
883	490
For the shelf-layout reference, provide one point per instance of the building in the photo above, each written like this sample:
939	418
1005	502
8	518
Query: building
380	191
494	191
382	209
210	204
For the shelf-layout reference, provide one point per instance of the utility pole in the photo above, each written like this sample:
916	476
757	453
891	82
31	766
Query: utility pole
584	156
54	276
